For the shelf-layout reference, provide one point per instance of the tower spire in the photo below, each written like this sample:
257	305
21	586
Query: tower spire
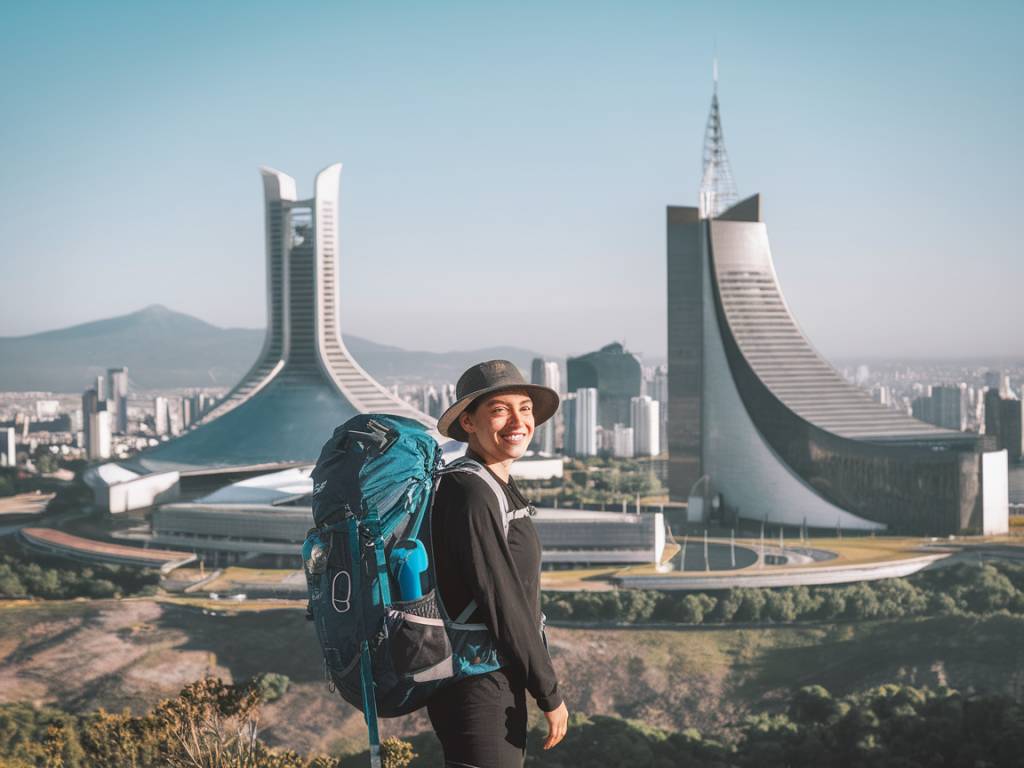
717	187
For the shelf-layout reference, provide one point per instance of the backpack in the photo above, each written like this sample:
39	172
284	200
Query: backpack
387	642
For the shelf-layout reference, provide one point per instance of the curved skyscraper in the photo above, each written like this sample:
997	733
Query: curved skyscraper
304	382
762	424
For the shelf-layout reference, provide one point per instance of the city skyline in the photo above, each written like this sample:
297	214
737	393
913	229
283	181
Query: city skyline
565	132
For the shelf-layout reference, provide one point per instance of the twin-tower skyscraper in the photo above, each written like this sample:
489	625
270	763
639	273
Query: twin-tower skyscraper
304	382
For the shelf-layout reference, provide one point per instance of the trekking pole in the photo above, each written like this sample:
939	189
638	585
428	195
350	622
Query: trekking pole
369	703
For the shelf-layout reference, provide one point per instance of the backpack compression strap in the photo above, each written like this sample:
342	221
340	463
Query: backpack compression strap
473	467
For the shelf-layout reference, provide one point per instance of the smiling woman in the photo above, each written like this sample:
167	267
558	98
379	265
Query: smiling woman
488	570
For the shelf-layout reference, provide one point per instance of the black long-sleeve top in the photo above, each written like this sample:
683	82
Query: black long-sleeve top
474	561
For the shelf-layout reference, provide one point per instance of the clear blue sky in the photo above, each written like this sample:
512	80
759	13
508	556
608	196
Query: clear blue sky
507	165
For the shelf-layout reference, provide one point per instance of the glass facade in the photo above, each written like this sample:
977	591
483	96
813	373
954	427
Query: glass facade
616	375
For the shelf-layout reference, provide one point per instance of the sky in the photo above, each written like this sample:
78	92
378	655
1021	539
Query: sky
507	165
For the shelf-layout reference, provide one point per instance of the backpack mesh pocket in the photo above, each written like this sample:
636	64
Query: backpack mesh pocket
417	639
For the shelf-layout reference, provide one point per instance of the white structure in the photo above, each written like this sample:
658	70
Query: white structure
161	416
622	442
271	514
995	499
8	440
537	467
99	434
645	416
585	418
46	410
117	489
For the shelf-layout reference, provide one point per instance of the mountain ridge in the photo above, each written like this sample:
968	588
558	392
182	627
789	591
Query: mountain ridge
164	348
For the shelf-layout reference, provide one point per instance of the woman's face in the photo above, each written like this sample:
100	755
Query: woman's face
501	427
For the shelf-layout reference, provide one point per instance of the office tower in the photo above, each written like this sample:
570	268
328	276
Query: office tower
882	395
430	400
773	427
447	395
999	381
99	433
1003	421
304	382
949	406
944	407
101	388
546	373
645	418
586	421
8	447
117	400
185	412
90	404
622	442
569	414
615	373
161	416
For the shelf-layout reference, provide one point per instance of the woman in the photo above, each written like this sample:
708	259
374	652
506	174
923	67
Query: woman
481	720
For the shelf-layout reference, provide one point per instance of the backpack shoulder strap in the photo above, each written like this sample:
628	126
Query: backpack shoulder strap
473	467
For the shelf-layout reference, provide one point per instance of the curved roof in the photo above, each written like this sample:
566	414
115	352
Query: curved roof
288	422
778	351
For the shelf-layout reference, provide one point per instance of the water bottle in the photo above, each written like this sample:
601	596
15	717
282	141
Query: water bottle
408	561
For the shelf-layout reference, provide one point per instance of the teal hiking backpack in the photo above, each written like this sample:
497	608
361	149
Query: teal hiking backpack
386	638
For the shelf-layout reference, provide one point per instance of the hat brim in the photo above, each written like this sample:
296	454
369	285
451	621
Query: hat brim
545	403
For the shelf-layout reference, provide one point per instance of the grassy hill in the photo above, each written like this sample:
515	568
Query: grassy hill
130	653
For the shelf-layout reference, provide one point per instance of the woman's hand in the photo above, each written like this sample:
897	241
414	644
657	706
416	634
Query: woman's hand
558	724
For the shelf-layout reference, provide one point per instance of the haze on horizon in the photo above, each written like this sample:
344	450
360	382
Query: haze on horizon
507	169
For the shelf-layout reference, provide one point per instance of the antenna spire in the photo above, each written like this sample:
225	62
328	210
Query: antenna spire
717	187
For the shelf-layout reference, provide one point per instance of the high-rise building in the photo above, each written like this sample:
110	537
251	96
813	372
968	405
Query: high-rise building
8	447
944	407
304	382
430	400
90	404
161	416
586	421
622	442
645	418
101	388
546	373
447	395
1005	422
186	413
615	373
568	410
99	433
778	433
117	402
998	381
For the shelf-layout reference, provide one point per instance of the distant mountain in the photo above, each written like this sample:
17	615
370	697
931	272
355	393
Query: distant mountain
167	349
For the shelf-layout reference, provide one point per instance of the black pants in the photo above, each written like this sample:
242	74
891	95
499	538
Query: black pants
481	721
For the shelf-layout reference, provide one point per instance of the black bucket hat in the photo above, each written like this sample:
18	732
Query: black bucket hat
488	378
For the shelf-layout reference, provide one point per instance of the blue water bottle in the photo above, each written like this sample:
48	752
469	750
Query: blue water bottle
408	561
